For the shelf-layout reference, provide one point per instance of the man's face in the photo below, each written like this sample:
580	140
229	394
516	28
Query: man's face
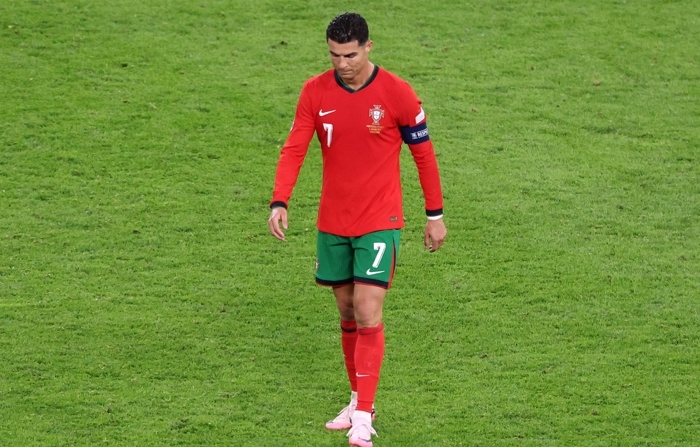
350	60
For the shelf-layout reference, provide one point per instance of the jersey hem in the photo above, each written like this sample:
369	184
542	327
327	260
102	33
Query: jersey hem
360	234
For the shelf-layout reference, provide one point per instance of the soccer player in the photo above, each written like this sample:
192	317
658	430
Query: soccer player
361	115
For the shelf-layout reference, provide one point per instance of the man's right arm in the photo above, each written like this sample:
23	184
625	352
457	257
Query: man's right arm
290	161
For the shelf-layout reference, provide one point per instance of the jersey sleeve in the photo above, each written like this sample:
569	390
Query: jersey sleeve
429	175
414	131
294	149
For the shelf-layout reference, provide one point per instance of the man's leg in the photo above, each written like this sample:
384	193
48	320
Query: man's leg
348	329
368	301
369	351
373	268
335	268
348	337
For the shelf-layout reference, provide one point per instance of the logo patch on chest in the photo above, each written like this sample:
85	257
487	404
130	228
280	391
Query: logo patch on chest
376	113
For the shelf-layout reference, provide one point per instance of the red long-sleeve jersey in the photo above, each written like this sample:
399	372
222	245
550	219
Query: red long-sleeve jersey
361	132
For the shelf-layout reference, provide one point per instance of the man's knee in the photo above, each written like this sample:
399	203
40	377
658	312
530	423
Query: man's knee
368	304
344	301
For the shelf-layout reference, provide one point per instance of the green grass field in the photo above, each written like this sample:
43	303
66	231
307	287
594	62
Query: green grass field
143	302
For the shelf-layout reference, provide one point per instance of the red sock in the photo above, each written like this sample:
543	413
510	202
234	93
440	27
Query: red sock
369	353
348	338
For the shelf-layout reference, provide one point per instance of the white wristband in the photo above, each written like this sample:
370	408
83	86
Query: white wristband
435	217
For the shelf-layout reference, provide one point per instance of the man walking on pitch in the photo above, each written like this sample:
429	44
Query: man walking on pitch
361	114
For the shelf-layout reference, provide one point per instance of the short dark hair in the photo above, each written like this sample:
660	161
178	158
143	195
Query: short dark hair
347	27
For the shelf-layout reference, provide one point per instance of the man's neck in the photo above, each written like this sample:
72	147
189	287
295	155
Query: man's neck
360	81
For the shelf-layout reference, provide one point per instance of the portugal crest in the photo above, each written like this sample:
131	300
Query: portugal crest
376	113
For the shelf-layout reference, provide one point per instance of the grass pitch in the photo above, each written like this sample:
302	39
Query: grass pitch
142	301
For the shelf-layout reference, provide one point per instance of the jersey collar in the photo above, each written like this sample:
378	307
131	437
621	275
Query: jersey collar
344	86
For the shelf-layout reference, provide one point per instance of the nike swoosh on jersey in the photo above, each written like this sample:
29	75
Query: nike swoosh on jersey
371	273
322	113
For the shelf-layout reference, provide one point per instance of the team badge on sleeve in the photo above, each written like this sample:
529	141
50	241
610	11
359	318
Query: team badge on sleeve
421	116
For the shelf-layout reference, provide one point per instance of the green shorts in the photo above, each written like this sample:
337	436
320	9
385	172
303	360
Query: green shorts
368	259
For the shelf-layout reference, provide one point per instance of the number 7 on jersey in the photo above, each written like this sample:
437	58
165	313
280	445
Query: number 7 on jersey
329	133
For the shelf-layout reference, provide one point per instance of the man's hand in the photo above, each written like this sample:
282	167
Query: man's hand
278	213
435	233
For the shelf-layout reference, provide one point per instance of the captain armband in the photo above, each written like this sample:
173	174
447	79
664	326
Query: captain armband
415	134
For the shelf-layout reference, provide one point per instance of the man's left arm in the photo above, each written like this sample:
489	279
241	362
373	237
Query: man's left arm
429	176
414	132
